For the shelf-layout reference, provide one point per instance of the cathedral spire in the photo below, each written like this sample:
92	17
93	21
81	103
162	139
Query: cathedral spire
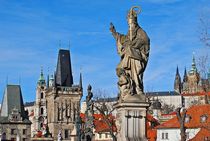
177	82
177	70
185	75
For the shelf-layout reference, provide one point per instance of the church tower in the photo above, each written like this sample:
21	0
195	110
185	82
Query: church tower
177	81
193	78
63	99
40	113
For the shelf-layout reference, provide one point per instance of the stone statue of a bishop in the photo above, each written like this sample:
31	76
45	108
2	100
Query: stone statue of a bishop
133	49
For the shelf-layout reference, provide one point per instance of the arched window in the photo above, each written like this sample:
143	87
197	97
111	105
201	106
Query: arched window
42	95
41	111
41	122
3	137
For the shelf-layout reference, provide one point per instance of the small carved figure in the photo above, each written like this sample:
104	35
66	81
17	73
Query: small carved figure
59	136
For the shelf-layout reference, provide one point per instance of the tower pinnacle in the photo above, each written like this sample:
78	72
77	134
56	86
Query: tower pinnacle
177	81
41	77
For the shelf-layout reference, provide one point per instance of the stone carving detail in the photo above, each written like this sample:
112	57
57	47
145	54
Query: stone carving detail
88	132
59	136
15	115
118	122
133	49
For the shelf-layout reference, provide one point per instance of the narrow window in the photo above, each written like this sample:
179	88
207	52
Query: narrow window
162	135
66	134
106	135
24	131
42	95
12	131
100	136
187	135
42	111
166	135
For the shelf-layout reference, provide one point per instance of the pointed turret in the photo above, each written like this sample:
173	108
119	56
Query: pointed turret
193	69
41	80
185	75
63	76
80	80
177	82
48	79
51	81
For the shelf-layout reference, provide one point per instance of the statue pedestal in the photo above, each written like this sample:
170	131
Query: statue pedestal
131	120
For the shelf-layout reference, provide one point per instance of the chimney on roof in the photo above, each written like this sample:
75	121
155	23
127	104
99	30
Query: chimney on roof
63	74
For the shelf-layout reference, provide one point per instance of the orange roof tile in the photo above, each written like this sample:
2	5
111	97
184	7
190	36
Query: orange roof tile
202	135
170	114
100	122
101	125
151	131
196	94
195	112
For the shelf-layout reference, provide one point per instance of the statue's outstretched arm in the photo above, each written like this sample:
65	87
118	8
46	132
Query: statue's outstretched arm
113	30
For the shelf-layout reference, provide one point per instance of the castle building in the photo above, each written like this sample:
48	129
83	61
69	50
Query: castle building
194	89
62	100
192	82
14	122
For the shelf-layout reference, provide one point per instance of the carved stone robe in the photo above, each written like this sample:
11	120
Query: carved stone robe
134	52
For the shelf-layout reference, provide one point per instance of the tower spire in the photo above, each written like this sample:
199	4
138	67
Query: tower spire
63	76
41	77
80	80
48	79
177	70
177	81
185	75
193	66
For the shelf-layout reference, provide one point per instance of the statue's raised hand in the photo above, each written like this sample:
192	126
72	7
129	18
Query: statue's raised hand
112	28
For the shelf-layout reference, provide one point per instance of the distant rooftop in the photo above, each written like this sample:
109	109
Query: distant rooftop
28	104
162	93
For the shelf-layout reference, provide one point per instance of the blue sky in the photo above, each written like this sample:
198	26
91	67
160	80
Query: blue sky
30	31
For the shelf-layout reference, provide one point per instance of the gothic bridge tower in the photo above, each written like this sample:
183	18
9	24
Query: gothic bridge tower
63	100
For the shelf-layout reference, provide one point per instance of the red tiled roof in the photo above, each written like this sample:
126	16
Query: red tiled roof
170	114
151	131
195	112
101	125
100	122
196	94
202	135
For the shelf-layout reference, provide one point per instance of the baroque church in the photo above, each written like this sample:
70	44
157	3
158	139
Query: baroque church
57	102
